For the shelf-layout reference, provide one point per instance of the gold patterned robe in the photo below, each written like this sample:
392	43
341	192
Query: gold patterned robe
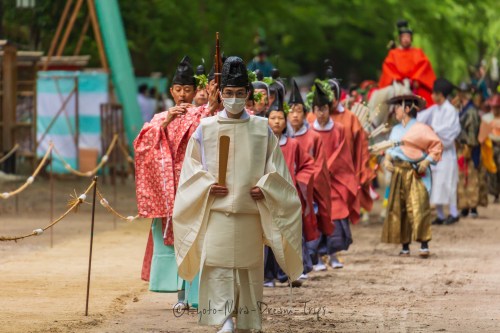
471	176
409	214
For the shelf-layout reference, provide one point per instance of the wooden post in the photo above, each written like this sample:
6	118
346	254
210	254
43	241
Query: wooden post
97	33
114	163
91	244
9	100
82	36
77	125
58	33
71	23
35	119
51	198
103	136
16	201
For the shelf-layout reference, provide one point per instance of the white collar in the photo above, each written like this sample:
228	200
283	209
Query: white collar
340	107
328	127
283	140
244	115
300	132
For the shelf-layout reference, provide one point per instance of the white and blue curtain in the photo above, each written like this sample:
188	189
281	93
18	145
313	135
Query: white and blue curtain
53	89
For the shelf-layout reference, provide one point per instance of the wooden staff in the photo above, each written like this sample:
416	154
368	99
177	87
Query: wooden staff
217	63
91	243
223	158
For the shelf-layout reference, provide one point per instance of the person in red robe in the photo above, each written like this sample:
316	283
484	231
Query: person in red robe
159	153
408	63
302	169
357	142
311	142
343	180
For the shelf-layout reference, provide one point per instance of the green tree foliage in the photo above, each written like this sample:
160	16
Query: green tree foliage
300	33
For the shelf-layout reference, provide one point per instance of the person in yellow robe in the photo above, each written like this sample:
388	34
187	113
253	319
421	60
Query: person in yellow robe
416	147
489	138
220	231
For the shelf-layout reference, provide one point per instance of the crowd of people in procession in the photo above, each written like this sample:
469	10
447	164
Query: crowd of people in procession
299	173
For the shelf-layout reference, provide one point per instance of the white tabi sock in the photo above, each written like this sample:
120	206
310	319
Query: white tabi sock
453	210
228	325
440	211
181	296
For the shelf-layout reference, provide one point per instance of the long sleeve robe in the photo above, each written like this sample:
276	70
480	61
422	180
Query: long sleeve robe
443	119
469	123
280	212
312	143
343	180
412	64
357	143
301	167
416	141
409	213
159	154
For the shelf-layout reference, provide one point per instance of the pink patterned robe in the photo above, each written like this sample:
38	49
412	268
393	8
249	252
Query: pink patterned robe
159	154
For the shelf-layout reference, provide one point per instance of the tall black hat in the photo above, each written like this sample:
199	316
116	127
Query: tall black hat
259	75
320	95
278	104
200	70
278	82
329	70
278	88
184	75
211	74
403	27
335	86
443	86
295	96
275	73
234	73
330	76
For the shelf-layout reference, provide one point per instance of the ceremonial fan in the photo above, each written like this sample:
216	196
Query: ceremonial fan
362	112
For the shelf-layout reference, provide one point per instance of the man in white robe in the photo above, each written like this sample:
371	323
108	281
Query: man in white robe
221	230
444	120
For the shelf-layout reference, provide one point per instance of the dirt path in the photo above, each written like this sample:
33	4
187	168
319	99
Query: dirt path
43	289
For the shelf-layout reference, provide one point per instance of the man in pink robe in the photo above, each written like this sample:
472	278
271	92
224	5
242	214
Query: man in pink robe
159	153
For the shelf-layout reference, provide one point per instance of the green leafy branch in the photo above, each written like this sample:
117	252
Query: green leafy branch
310	95
201	81
257	97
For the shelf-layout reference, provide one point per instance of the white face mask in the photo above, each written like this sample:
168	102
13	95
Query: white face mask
234	105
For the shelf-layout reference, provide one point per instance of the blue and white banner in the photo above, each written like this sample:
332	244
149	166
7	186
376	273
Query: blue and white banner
54	90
